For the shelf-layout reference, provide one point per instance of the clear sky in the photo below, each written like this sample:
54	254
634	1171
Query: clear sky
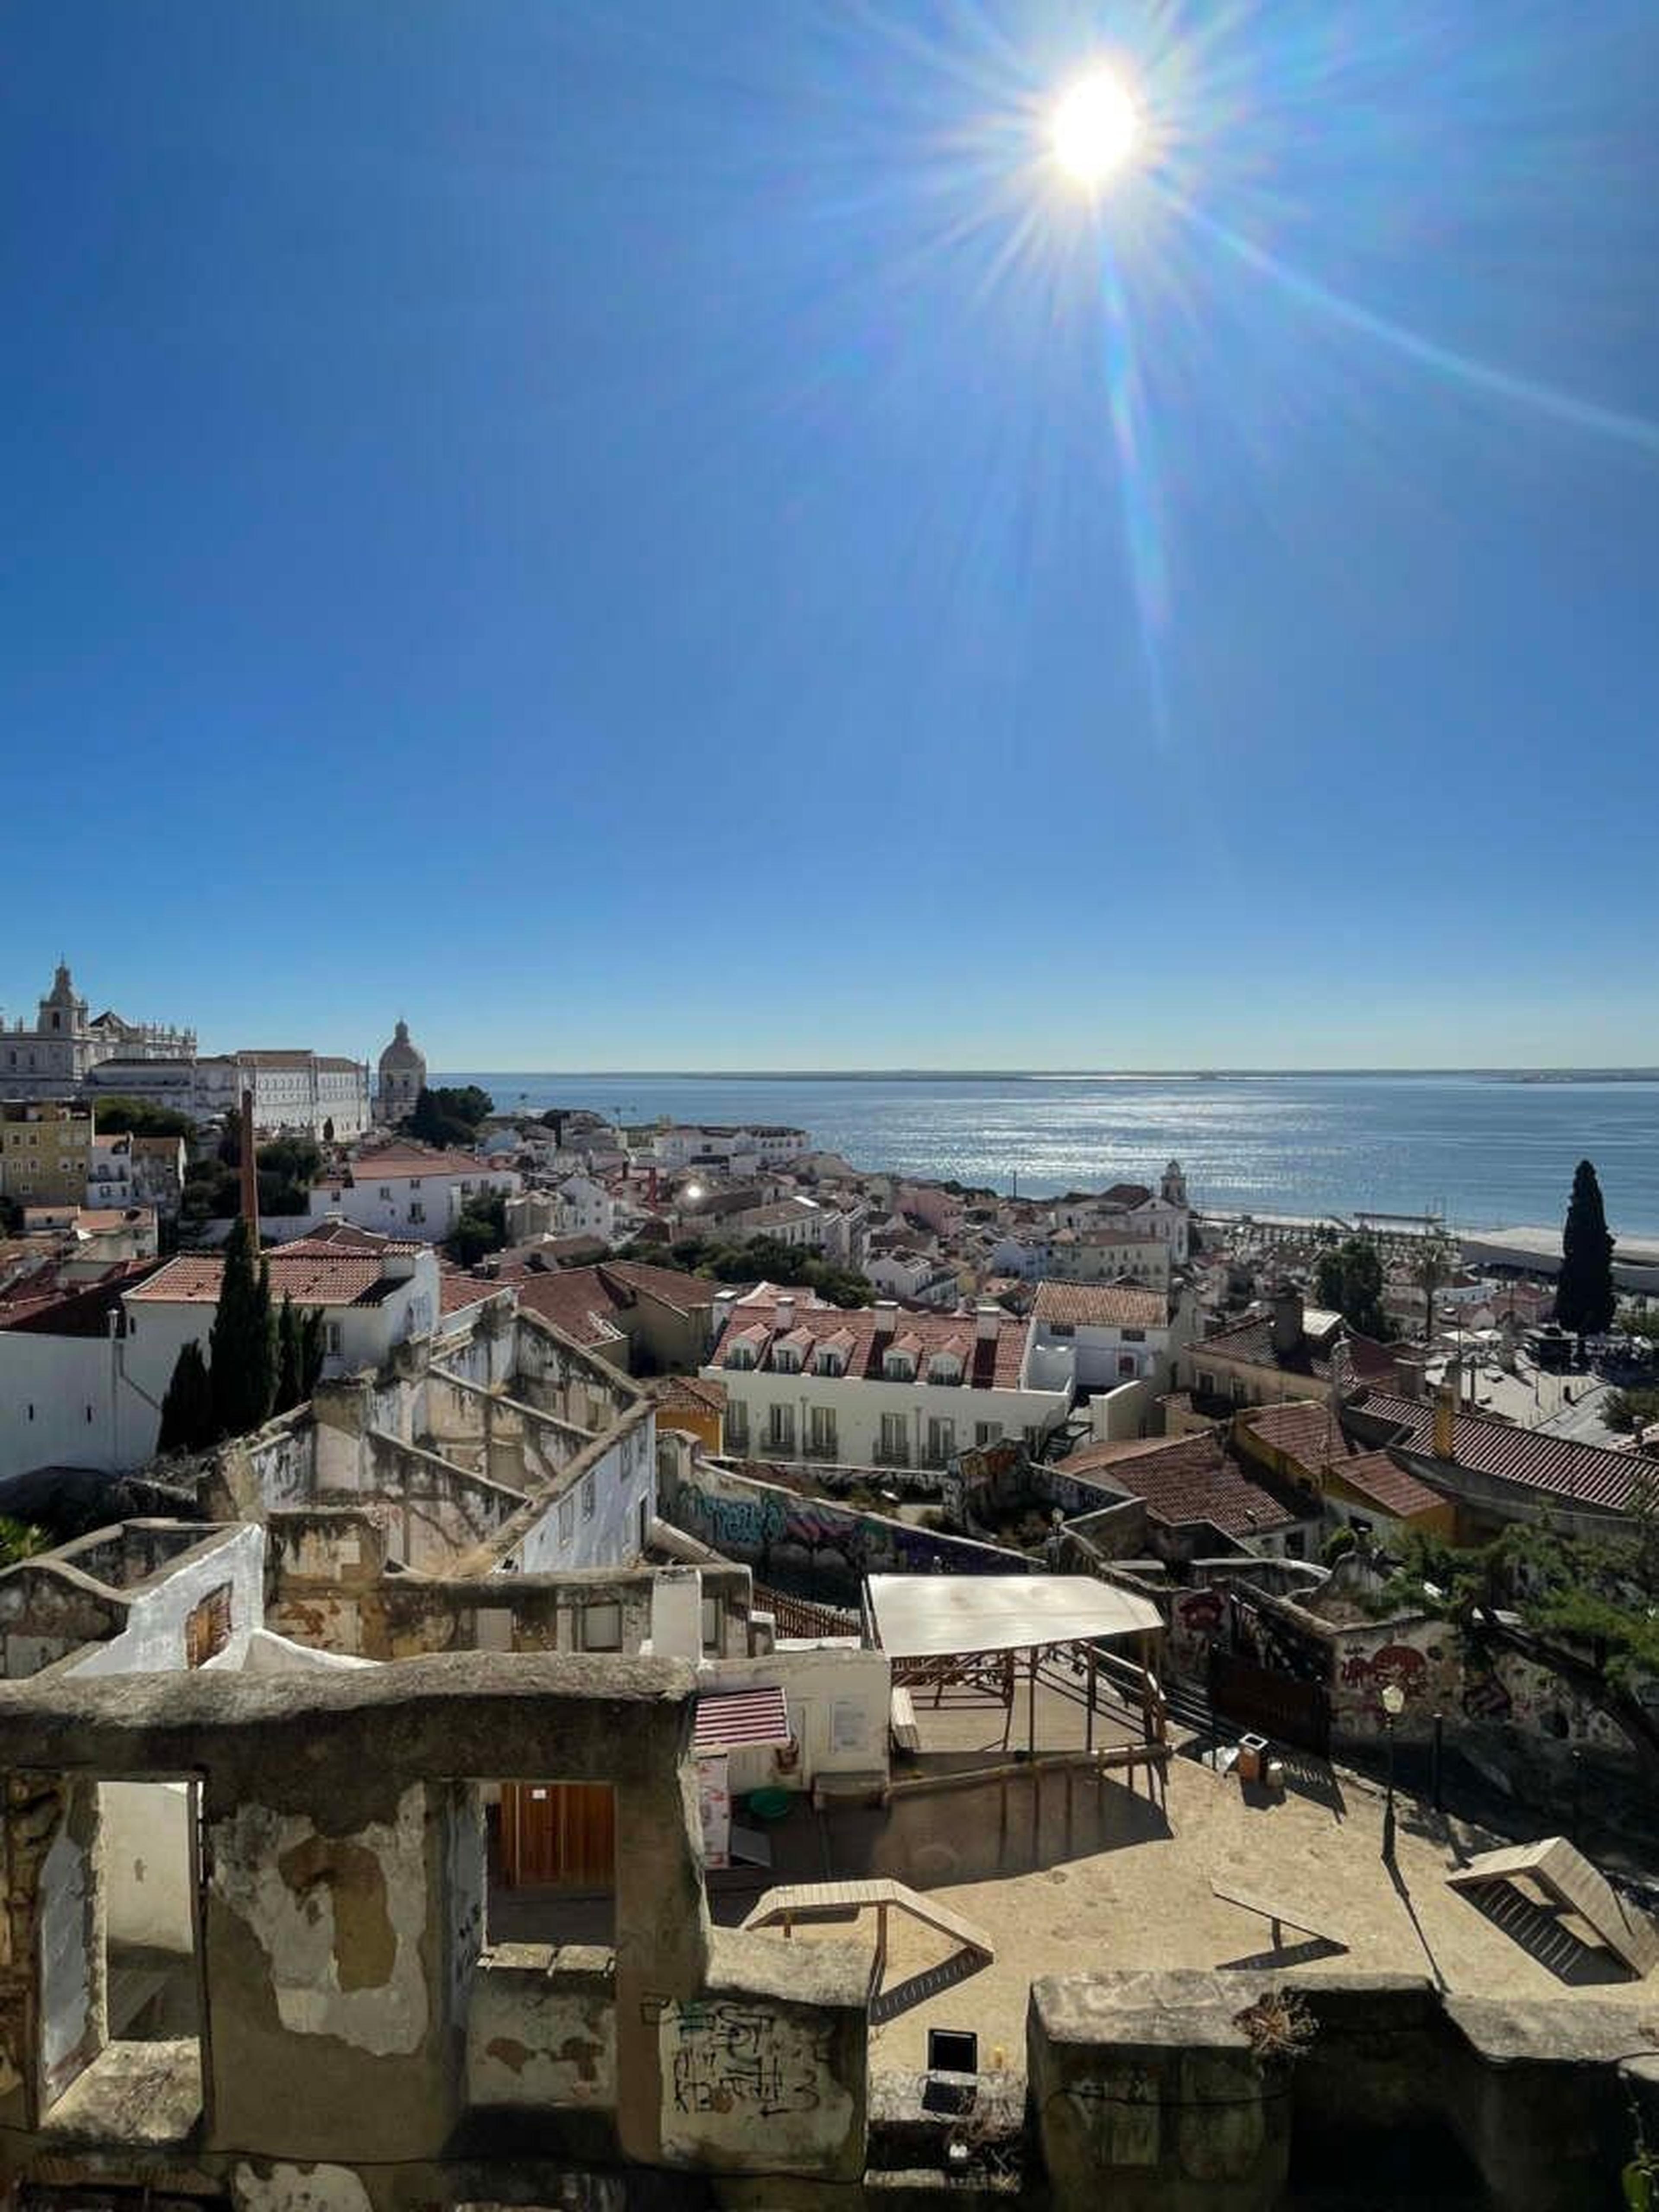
659	535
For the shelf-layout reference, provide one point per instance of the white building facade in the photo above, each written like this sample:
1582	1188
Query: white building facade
419	1196
876	1387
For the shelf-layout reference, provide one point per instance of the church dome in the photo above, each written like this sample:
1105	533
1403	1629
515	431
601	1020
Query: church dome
400	1052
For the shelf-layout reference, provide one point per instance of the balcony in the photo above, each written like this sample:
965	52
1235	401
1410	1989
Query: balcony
820	1448
892	1456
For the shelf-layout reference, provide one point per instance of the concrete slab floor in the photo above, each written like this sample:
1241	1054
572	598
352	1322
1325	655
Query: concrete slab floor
1103	1877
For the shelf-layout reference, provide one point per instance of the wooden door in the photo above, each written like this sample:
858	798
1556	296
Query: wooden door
562	1834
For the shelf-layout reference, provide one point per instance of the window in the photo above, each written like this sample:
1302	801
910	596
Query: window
207	1626
1061	1329
736	1428
945	1368
941	1441
331	1337
780	1428
417	1212
894	1448
896	1367
822	1431
386	1191
1033	1435
588	1495
1134	1335
785	1360
986	1432
827	1363
1127	1367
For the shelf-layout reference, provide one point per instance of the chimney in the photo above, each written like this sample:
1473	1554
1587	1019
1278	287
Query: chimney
1445	1415
886	1311
1287	1320
987	1324
249	1171
1408	1375
783	1315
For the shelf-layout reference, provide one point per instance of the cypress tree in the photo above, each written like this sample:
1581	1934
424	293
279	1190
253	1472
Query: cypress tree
1584	1299
311	1349
242	1342
187	1420
289	1389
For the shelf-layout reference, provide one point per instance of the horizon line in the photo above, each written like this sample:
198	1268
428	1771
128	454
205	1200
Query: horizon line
1043	1074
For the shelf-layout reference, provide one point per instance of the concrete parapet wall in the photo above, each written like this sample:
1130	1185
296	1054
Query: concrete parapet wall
1148	2096
1145	2091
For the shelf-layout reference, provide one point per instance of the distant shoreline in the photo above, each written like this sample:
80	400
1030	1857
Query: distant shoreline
1050	1074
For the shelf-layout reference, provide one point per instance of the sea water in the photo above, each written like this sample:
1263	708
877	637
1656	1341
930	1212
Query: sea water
1488	1149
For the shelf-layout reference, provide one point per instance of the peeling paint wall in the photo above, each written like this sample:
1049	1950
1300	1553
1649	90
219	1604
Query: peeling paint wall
338	1920
543	2029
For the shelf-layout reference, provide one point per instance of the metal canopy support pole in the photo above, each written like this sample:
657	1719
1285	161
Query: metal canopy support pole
1094	1670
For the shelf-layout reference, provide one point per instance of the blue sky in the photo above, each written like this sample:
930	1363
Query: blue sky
658	535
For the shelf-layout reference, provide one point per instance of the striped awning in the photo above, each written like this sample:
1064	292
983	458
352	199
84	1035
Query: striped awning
727	1718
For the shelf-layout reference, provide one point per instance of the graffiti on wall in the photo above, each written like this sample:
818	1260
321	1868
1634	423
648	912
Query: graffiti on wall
721	2057
758	1524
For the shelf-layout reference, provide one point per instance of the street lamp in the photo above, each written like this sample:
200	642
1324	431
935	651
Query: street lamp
1394	1703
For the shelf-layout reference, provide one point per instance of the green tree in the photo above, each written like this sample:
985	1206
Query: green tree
241	1345
119	1115
1349	1281
450	1116
1584	1301
480	1227
19	1540
289	1392
187	1416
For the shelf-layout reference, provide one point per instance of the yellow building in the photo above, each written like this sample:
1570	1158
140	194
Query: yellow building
1304	1444
45	1153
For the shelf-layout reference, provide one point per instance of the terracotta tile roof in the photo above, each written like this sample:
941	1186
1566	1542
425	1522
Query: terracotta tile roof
1392	1489
688	1293
689	1393
82	1309
1185	1479
398	1164
457	1290
992	1365
1588	1475
577	1301
1127	1194
346	1236
1100	1305
326	1278
1304	1429
1251	1341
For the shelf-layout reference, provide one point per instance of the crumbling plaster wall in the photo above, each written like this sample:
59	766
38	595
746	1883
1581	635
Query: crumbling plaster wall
344	1914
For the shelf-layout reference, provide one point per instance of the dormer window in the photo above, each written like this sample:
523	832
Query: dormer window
741	1355
899	1367
785	1360
945	1367
829	1363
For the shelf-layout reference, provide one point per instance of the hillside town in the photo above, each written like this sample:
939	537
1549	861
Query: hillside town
578	1648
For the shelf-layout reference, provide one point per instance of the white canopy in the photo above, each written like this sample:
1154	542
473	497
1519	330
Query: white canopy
928	1616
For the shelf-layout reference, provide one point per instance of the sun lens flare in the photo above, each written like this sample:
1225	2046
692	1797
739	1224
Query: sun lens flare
1096	127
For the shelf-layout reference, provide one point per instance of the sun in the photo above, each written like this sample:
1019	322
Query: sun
1096	129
